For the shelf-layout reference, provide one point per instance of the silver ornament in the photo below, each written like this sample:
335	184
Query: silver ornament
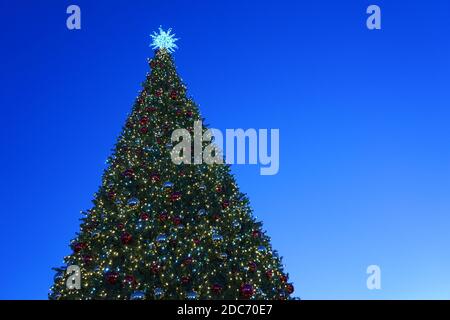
201	212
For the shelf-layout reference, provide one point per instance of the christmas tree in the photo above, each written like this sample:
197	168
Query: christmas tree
160	230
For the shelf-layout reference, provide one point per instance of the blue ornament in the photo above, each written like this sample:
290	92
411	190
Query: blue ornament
95	234
59	276
149	149
224	256
161	238
201	212
168	184
217	237
137	295
158	292
261	249
133	202
191	295
55	296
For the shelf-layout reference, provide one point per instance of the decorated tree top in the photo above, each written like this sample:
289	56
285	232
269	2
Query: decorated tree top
164	40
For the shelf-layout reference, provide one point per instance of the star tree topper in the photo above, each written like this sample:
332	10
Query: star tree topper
164	39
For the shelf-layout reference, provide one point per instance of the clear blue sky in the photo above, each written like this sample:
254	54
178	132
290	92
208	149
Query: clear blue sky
363	117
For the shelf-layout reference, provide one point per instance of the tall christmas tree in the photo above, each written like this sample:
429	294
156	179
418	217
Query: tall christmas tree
160	230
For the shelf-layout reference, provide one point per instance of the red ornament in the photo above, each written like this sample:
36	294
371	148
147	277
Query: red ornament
175	196
283	278
216	216
216	288
144	130
150	109
176	220
173	95
130	279
155	177
269	274
252	266
225	204
289	288
77	247
219	189
112	277
144	121
126	238
162	217
152	64
178	112
189	113
159	92
185	280
187	261
155	268
111	195
120	226
196	241
247	290
87	259
144	216
128	173
256	234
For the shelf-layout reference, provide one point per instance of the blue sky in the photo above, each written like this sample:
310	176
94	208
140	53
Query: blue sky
363	117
